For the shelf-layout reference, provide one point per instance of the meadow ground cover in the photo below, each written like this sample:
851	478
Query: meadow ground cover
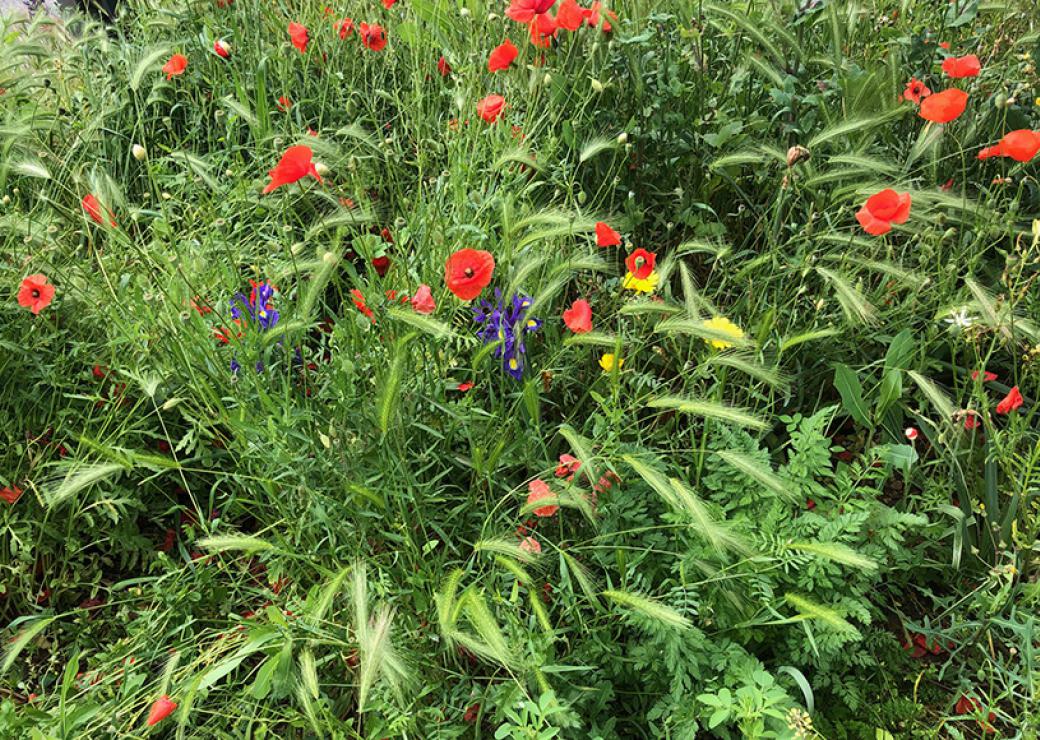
444	368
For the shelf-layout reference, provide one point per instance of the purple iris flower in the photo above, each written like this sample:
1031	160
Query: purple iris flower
506	322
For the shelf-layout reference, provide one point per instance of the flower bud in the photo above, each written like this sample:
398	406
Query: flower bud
797	154
622	138
547	79
464	12
139	152
321	168
597	86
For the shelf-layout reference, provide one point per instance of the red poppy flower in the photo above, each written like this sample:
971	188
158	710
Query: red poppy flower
221	49
35	293
284	104
443	67
1021	146
388	4
175	66
971	705
915	91
537	490
472	712
299	36
344	27
525	11
570	16
463	387
1010	402
606	236
294	165
640	263
381	265
592	16
944	45
531	545
578	317
502	56
161	709
987	376
971	421
468	271
542	30
92	206
965	66
372	37
11	495
490	108
359	301
422	301
882	210
945	106
568	466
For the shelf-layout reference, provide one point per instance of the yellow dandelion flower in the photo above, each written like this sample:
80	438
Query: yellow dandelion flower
608	361
642	285
722	325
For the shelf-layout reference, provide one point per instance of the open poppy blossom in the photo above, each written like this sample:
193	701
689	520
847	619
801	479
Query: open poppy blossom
373	37
344	28
502	56
971	705
175	66
606	236
525	11
467	272
11	495
161	709
542	30
222	48
359	302
464	386
593	18
388	4
299	36
640	263
381	265
92	207
578	317
570	15
284	104
538	490
294	165
945	106
882	210
965	66
35	293
490	108
916	91
567	466
422	301
1010	402
443	67
1021	145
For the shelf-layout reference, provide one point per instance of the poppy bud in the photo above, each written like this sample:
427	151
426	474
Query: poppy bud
139	152
464	12
797	154
321	168
597	86
547	79
329	258
622	138
7	199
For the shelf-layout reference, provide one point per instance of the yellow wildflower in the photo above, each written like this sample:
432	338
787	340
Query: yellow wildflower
642	285
722	325
608	361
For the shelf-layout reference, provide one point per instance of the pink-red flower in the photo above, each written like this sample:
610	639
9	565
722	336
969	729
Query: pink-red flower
423	301
965	66
175	66
882	210
578	317
1010	402
640	263
35	293
344	27
911	433
294	165
299	36
502	56
388	4
916	91
443	67
531	545
606	236
284	104
359	302
468	271
490	108
525	11
1021	145
538	490
221	48
93	209
161	709
570	15
945	106
373	37
568	466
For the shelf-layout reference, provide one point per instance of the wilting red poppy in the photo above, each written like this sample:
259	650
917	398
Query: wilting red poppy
11	495
538	490
945	106
916	91
35	293
640	263
570	16
299	36
490	108
443	67
971	705
381	265
422	301
578	317
284	104
567	466
92	206
882	210
606	236
502	56
1021	146
175	66
372	37
344	27
468	271
161	709
221	48
294	165
1010	402
987	376
965	66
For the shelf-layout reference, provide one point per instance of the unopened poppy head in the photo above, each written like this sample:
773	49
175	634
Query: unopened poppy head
965	66
222	48
298	36
882	210
490	108
161	709
606	236
640	263
35	293
578	318
502	56
468	271
175	66
945	106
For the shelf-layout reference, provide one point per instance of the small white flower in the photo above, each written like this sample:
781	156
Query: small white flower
960	319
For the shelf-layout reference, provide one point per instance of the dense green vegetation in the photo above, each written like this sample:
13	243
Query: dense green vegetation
775	475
